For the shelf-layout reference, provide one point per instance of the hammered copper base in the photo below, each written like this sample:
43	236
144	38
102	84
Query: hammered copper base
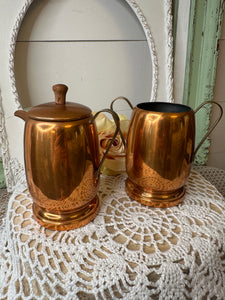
66	220
154	198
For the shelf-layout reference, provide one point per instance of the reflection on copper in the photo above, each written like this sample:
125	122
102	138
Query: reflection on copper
153	117
44	127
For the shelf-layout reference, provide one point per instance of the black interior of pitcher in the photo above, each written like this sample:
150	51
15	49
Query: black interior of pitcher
164	107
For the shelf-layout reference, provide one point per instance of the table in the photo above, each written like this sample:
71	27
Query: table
128	251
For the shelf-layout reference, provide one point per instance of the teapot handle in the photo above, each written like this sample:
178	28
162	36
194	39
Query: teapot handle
111	107
117	122
214	124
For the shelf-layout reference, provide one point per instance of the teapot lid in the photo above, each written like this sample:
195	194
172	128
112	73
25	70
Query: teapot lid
60	110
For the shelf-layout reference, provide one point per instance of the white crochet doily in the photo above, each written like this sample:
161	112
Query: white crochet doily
214	175
129	251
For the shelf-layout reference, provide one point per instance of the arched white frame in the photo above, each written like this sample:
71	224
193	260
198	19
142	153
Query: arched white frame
156	20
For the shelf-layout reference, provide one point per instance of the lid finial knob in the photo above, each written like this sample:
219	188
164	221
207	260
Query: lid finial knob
60	93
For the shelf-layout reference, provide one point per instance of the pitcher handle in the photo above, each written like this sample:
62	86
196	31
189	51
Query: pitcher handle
131	106
123	98
214	124
117	122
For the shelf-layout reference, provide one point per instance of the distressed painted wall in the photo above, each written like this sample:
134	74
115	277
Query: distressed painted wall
216	156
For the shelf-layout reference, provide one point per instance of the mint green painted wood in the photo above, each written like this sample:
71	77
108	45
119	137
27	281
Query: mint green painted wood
175	4
2	177
204	33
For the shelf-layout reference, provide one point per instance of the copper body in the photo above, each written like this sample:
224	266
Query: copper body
60	161
62	167
160	150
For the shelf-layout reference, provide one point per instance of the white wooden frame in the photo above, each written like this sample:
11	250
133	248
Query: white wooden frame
156	20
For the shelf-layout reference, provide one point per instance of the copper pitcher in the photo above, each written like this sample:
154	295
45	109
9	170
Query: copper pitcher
159	152
62	161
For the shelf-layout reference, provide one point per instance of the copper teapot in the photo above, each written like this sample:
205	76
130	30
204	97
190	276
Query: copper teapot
62	161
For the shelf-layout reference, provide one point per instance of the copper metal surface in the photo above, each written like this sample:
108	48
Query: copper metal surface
63	166
160	150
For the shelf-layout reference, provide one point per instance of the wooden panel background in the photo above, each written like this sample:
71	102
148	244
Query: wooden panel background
98	49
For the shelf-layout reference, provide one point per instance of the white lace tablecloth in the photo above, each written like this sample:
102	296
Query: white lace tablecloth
129	251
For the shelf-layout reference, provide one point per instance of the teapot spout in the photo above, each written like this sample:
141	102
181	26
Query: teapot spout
21	114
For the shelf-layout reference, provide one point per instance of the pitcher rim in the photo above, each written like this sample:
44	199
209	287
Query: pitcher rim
169	107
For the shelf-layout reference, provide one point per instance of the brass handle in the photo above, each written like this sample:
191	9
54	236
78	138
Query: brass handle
214	124
131	106
121	98
60	91
117	122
